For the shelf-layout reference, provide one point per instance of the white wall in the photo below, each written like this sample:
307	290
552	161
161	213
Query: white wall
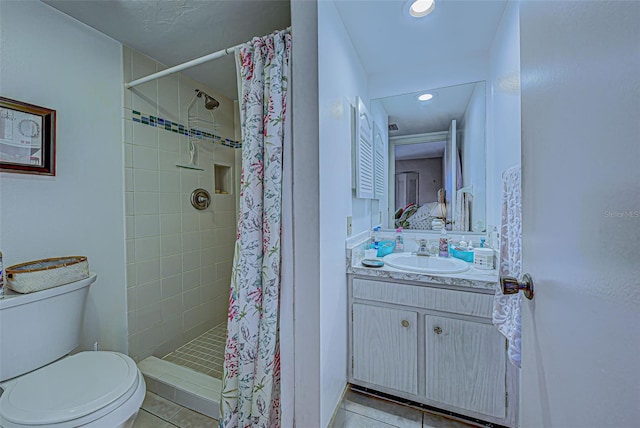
341	78
472	151
306	218
51	60
178	258
503	108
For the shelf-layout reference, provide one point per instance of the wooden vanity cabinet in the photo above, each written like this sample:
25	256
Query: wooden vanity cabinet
431	344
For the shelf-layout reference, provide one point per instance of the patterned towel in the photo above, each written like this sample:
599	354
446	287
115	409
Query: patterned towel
506	309
463	203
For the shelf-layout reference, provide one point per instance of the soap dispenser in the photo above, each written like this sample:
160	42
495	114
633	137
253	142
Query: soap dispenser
444	244
376	237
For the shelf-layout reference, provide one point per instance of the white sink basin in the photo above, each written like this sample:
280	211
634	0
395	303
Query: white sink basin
425	264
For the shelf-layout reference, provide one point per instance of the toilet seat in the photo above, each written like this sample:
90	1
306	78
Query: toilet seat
72	391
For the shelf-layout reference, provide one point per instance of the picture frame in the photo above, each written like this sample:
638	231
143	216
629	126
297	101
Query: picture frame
27	138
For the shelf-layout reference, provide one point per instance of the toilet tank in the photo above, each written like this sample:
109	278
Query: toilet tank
38	328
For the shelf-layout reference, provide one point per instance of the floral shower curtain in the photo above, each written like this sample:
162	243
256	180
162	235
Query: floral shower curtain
251	381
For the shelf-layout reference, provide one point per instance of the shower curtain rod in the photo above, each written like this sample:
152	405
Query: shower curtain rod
185	65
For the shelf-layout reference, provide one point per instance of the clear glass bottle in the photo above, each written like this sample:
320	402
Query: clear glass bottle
399	241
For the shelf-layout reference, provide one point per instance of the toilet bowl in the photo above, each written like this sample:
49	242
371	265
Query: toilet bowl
92	389
43	383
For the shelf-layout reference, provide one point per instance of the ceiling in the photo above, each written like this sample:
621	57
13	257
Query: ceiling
175	31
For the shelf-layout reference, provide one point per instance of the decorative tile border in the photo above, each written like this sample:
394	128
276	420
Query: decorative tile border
179	128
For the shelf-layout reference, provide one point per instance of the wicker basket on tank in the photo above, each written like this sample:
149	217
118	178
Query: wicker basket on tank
46	273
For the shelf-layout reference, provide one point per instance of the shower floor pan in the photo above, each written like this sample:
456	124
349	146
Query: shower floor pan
190	375
204	354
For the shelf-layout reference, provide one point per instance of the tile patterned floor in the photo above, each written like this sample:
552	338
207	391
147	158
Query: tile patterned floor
157	412
361	410
356	411
204	354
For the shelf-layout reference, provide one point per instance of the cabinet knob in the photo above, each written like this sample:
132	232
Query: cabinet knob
437	330
405	323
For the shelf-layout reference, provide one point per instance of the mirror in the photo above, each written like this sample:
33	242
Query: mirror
437	158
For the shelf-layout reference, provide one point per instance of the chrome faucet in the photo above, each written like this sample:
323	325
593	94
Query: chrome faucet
422	248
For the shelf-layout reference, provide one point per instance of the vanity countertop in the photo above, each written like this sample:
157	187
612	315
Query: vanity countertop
473	278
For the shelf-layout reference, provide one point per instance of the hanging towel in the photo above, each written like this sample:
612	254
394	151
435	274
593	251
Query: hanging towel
463	203
506	309
458	171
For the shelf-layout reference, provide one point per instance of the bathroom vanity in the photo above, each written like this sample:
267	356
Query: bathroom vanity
430	339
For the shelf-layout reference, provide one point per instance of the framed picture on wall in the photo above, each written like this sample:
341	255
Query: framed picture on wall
27	138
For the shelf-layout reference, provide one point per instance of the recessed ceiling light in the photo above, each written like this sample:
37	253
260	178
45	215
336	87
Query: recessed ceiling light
420	8
425	97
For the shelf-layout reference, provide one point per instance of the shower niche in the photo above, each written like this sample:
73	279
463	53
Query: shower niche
222	179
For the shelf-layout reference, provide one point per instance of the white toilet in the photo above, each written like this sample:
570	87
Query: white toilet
92	389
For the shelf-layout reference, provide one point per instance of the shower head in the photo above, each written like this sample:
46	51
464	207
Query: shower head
210	103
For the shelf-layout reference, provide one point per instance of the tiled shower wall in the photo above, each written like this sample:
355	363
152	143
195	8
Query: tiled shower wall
178	259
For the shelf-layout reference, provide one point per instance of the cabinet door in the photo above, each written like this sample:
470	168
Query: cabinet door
465	365
385	347
380	163
364	162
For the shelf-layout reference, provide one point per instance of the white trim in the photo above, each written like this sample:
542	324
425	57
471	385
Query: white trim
419	138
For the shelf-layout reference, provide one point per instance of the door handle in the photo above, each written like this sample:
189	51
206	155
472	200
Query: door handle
511	285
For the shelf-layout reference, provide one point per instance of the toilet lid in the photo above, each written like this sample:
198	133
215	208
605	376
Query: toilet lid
69	388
